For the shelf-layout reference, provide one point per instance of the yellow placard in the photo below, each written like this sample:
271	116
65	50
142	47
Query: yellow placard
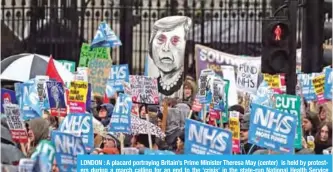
273	81
318	84
234	127
78	91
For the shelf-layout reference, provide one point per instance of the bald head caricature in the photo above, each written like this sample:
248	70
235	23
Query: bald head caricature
166	50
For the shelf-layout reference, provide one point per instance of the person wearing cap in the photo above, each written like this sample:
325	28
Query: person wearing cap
110	145
105	113
246	147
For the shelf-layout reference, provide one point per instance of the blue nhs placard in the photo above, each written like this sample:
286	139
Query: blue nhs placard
118	74
272	129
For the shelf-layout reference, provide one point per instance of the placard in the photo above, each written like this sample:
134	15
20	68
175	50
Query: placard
247	77
56	95
203	139
15	123
77	98
272	129
144	89
234	126
118	75
318	86
69	65
328	84
87	53
121	116
99	71
7	97
292	105
305	81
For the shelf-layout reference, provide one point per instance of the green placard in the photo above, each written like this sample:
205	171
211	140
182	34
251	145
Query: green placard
292	105
70	65
87	53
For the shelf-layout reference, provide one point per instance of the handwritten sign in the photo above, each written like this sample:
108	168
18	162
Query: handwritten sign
318	86
234	126
99	71
87	53
144	89
55	91
273	81
78	96
247	77
16	126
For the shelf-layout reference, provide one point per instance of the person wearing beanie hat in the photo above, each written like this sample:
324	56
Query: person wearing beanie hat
246	147
309	124
105	113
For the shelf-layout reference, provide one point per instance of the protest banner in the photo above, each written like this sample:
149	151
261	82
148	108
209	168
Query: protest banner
105	37
118	75
40	88
247	77
204	139
234	126
305	81
56	95
197	106
81	74
208	58
7	97
263	96
26	165
276	82
69	65
121	116
77	98
46	149
318	83
144	89
272	129
87	53
67	148
328	84
81	125
28	100
15	123
99	71
291	105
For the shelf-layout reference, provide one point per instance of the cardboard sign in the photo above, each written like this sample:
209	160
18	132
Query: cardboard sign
67	147
56	94
7	97
80	125
272	129
99	71
292	105
77	98
121	116
203	139
144	89
318	86
118	75
87	53
247	77
328	84
15	124
234	126
69	65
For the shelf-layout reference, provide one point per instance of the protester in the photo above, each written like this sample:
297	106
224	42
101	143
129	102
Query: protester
246	147
310	121
323	138
189	90
105	113
38	130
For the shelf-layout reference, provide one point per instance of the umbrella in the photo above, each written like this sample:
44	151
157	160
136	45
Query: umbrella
23	67
140	126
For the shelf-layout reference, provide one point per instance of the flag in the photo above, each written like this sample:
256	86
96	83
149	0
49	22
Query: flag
52	71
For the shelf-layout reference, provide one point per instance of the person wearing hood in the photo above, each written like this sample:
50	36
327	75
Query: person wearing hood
105	113
38	130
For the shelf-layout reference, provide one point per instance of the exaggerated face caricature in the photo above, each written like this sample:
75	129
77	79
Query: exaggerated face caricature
167	49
